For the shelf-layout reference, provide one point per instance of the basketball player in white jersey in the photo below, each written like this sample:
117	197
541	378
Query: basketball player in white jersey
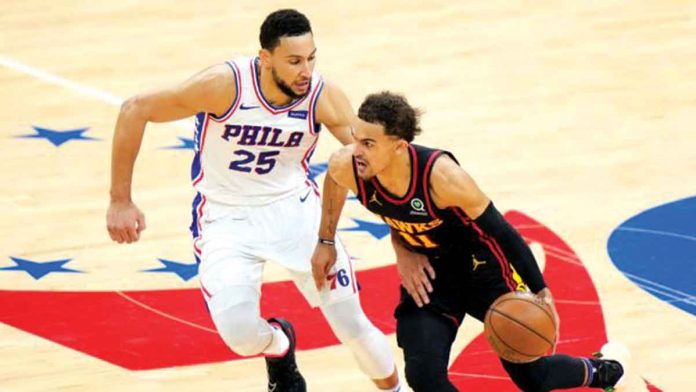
257	124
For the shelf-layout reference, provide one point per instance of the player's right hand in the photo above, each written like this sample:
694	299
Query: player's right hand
124	221
323	259
412	269
545	295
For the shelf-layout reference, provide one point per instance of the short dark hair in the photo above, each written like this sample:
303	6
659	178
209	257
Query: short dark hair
282	23
393	112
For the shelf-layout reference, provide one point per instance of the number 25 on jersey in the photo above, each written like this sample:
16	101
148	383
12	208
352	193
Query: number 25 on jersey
247	161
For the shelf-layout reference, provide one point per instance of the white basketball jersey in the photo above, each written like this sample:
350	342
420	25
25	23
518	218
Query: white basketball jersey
255	153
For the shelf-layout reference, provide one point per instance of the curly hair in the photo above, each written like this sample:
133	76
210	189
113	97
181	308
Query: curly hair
282	23
393	112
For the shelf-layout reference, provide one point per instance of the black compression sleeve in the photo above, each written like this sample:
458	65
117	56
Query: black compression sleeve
513	246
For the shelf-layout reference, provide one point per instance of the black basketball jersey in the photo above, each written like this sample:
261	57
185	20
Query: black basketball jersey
422	226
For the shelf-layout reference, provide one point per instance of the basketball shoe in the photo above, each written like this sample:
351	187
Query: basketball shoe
283	374
610	366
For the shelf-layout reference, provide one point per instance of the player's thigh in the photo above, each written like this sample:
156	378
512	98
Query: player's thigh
340	284
230	273
425	336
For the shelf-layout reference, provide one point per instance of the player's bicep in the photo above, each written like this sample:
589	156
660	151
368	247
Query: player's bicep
451	186
164	105
336	113
210	91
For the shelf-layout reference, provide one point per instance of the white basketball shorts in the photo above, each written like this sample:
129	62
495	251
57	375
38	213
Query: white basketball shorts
234	243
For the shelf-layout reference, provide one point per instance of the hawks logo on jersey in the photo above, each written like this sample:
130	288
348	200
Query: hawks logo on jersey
415	234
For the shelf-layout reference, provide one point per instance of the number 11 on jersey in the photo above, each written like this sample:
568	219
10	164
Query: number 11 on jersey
419	240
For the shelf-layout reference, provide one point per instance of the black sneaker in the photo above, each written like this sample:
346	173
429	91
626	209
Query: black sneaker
611	365
283	374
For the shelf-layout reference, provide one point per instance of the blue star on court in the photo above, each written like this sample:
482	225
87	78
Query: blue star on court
58	138
39	269
183	270
377	230
185	144
316	170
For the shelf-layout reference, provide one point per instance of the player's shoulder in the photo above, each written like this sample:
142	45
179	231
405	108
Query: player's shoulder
217	73
328	86
341	166
445	169
212	83
210	90
342	157
330	93
444	161
333	106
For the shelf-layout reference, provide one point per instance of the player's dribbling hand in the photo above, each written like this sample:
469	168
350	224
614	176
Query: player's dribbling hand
412	269
546	296
323	259
124	221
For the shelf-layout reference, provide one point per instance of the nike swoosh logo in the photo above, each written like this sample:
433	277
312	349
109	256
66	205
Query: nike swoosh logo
272	387
302	199
242	107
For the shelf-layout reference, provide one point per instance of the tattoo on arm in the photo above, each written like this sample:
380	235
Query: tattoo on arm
330	210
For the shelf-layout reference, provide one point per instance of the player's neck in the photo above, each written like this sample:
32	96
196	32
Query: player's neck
270	89
396	177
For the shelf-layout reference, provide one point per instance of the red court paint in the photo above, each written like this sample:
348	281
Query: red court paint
140	330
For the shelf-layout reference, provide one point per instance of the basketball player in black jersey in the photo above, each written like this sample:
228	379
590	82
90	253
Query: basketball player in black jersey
471	253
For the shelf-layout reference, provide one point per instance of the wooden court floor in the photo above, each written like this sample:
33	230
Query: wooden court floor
578	115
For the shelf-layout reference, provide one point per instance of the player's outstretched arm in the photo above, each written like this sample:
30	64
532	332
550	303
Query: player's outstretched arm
451	186
336	113
211	91
338	180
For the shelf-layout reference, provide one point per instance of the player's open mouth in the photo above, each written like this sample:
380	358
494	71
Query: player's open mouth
361	165
304	85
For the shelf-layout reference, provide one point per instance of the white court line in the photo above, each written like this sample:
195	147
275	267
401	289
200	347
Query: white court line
574	302
666	288
658	232
534	226
556	249
673	298
163	314
60	81
560	257
74	86
104	97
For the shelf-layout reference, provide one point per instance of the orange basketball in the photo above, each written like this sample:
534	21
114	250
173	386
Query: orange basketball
520	327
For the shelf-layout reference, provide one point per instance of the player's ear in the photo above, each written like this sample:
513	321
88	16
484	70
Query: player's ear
401	146
265	58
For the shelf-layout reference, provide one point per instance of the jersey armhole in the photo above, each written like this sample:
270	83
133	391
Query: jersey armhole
426	179
359	184
237	97
314	126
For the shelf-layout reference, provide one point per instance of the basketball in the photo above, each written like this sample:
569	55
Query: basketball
520	327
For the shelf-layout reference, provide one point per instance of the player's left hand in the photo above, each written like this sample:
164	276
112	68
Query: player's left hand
323	260
545	295
416	274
